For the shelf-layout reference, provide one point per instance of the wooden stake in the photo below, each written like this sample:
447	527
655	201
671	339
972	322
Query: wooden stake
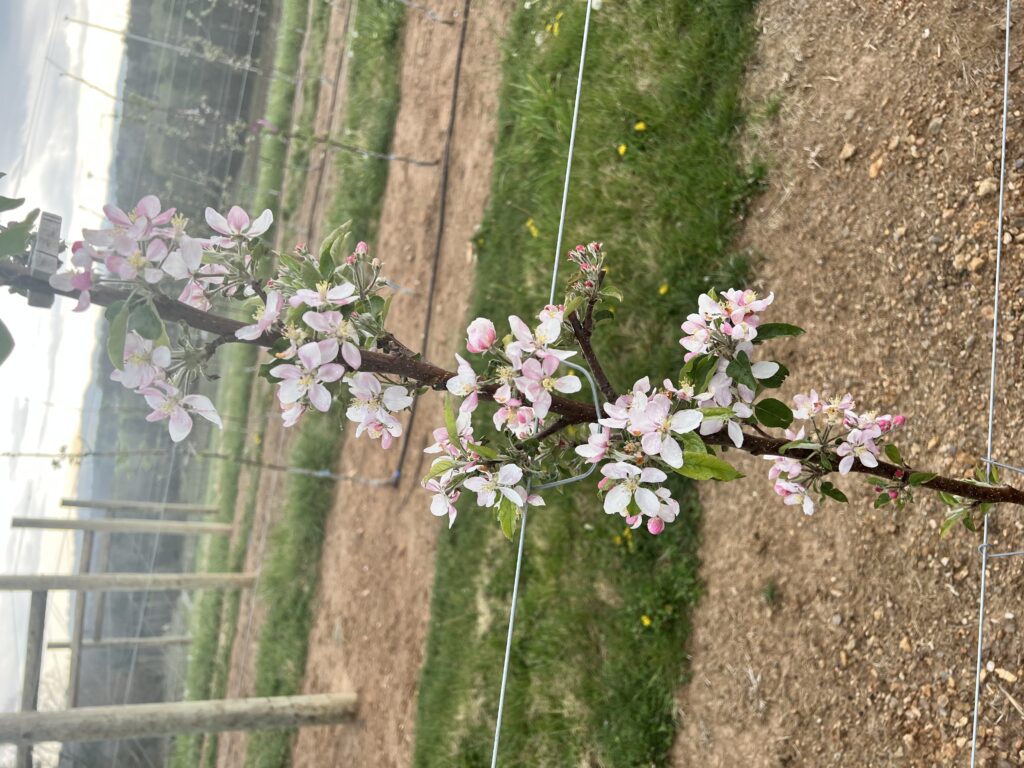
127	582
123	525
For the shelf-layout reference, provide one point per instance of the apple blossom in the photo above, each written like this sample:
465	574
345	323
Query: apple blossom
491	487
372	407
265	317
630	488
237	224
305	381
538	381
597	444
858	445
795	494
480	335
465	385
325	295
168	403
143	363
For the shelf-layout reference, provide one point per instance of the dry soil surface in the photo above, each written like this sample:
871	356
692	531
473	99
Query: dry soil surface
378	558
848	638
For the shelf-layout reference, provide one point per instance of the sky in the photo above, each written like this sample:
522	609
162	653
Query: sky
56	145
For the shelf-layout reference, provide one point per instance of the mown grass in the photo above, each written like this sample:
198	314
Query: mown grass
604	613
289	579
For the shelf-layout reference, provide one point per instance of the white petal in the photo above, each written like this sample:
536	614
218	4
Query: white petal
617	500
647	501
764	369
686	421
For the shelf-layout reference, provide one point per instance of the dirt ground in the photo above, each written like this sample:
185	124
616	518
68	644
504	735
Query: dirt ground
378	557
848	638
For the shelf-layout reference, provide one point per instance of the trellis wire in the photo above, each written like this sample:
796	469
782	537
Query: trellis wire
992	388
593	387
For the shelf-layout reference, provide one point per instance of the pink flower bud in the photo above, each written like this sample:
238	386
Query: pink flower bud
655	525
603	483
877	489
480	335
899	474
893	494
899	421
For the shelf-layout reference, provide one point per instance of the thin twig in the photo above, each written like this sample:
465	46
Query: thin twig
583	339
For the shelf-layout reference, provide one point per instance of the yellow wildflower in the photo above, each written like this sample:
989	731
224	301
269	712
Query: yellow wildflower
622	150
646	620
534	232
640	126
663	289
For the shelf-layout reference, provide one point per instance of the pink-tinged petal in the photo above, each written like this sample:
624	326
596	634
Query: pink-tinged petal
651	443
152	275
286	372
275	302
84	301
686	421
290	391
846	465
735	434
652	475
439	505
249	332
116	216
175	266
568	384
512	495
542	403
322	322
138	229
647	501
617	500
519	329
671	453
179	425
342	294
351	355
163	218
328	350
309	354
238	220
330	372
156	416
655	526
510	474
476	483
261	223
217	222
148	206
161	357
550	365
618	470
156	249
103	238
201	405
868	460
320	397
396	398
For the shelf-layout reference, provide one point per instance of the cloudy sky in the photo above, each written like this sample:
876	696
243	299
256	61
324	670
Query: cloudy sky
56	142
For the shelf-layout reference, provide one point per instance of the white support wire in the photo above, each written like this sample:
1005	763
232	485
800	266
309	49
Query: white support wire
593	387
992	389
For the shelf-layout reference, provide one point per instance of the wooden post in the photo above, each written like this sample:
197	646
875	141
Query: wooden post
102	566
123	525
33	666
123	642
127	582
78	622
146	720
140	506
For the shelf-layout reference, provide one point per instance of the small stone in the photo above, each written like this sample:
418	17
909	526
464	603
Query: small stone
988	186
848	151
976	263
894	142
876	167
837	620
1005	674
935	125
905	645
899	233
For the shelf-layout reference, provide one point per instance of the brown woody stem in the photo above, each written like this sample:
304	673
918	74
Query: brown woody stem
583	339
569	411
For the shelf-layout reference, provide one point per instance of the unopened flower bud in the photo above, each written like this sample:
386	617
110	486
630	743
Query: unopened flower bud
893	494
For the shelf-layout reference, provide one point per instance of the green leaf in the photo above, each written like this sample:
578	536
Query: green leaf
612	293
882	499
692	443
6	342
310	275
799	445
603	314
949	499
113	310
950	521
438	468
739	370
893	453
717	413
775	380
704	466
449	420
483	451
10	203
773	413
699	372
920	478
146	321
118	334
15	239
767	331
833	493
573	304
508	516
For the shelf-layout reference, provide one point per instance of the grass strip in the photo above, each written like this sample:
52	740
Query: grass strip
604	613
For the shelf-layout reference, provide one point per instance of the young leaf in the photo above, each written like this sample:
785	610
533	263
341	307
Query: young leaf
920	478
716	413
799	445
118	334
438	468
766	331
882	499
603	314
704	466
833	493
692	443
739	370
449	420
773	413
893	454
508	516
6	342
146	322
951	520
483	451
775	380
10	203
